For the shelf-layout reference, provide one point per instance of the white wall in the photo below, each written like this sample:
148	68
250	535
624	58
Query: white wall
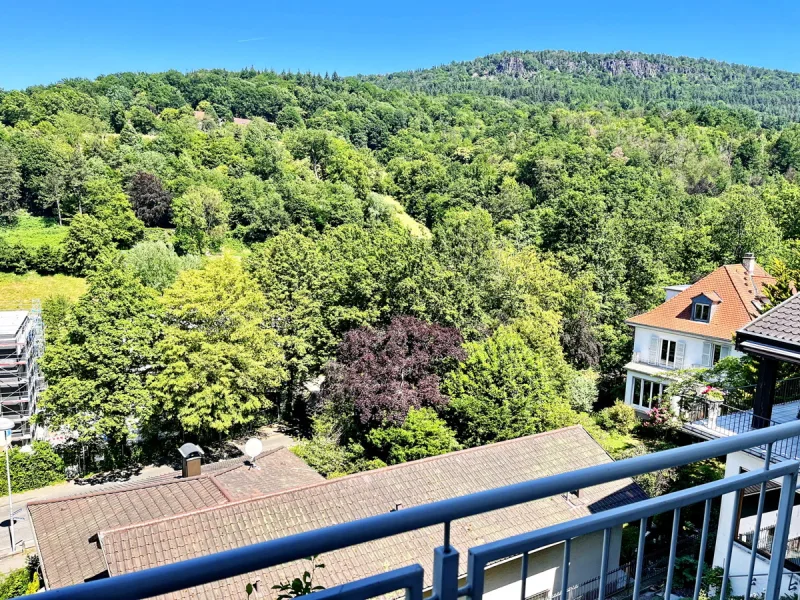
694	345
544	567
740	557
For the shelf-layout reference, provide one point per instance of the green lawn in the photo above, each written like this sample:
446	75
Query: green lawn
33	231
20	290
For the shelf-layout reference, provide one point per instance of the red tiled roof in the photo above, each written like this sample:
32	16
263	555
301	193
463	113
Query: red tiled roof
167	540
736	290
239	121
63	527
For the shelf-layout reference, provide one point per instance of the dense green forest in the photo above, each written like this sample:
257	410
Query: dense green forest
458	266
622	79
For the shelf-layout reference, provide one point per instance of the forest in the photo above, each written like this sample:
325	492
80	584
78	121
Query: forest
395	266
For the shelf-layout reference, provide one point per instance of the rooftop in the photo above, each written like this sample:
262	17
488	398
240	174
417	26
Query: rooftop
226	526
739	295
66	528
779	326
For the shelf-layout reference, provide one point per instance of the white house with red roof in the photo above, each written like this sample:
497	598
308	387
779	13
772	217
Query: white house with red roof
693	328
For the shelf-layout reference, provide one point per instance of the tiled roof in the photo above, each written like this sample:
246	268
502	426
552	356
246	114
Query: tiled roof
65	526
172	539
737	291
781	323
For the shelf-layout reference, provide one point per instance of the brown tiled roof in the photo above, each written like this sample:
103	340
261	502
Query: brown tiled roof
781	323
64	526
239	121
737	291
172	539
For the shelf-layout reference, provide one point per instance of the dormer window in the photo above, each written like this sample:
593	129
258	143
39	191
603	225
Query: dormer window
702	312
703	306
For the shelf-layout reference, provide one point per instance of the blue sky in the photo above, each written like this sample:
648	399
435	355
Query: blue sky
44	41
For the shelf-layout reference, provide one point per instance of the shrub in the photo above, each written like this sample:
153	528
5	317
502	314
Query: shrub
34	469
329	457
620	417
423	434
21	581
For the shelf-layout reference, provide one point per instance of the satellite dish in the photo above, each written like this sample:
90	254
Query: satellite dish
253	447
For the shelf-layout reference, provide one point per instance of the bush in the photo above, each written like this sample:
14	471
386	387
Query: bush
34	469
21	581
620	417
329	457
423	434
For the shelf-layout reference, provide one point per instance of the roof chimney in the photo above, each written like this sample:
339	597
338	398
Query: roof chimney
749	262
191	457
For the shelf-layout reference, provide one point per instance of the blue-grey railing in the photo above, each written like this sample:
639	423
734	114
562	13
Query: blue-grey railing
213	567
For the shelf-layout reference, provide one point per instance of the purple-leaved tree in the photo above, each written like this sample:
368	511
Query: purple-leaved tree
381	373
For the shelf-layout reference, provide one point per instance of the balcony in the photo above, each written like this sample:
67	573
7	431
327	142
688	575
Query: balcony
454	576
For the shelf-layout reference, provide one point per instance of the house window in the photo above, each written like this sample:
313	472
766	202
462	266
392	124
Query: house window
702	312
645	390
668	353
713	353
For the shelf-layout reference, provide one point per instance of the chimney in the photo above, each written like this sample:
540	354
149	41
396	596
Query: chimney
191	457
749	262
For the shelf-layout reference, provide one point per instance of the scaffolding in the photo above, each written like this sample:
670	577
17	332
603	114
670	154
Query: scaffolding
21	381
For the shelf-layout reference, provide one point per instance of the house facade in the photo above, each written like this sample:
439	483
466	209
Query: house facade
693	328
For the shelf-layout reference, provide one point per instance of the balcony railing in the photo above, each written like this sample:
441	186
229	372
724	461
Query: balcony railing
711	419
763	544
214	567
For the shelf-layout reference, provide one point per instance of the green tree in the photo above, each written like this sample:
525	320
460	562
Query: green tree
10	183
512	384
96	367
422	434
201	220
157	265
786	151
219	359
86	238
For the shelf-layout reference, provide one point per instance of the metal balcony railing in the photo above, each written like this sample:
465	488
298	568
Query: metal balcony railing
763	545
709	419
214	567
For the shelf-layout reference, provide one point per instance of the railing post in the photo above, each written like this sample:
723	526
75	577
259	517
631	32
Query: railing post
778	555
445	573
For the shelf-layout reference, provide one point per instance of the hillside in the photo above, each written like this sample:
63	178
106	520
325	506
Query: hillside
625	79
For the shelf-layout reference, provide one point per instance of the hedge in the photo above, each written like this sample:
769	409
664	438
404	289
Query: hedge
32	470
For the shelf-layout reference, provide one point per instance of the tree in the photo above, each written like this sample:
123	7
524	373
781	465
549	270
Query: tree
219	361
201	220
86	238
157	265
149	199
106	201
290	271
10	183
512	384
744	225
378	375
786	151
422	434
96	367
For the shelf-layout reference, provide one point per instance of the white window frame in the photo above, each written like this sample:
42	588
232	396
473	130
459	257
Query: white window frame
667	347
646	387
